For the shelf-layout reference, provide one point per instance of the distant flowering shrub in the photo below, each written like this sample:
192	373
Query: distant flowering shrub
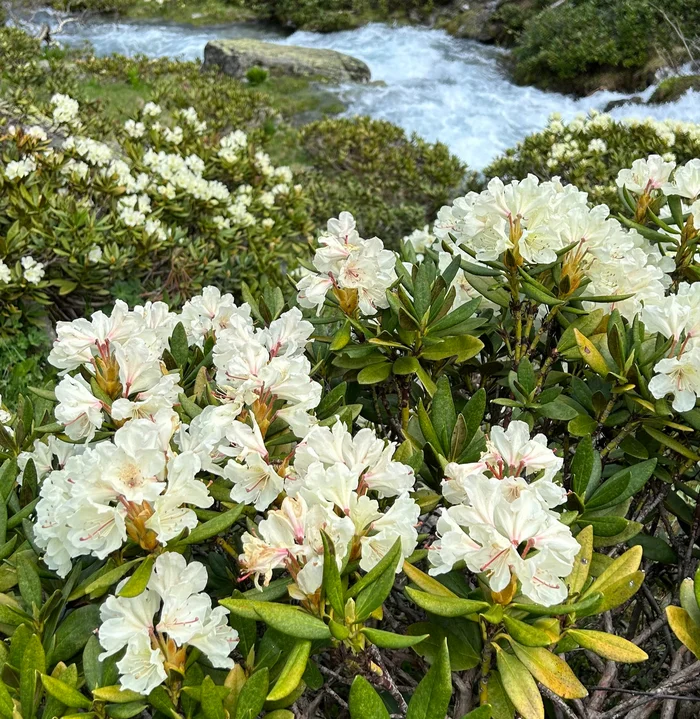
479	449
591	149
164	208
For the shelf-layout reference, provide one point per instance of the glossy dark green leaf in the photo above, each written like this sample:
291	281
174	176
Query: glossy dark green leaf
431	698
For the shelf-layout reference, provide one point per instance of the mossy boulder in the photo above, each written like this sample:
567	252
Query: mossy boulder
236	57
672	88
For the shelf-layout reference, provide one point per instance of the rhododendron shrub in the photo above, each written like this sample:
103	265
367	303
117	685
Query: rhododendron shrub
458	480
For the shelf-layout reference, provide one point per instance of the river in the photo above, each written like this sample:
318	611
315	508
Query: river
438	86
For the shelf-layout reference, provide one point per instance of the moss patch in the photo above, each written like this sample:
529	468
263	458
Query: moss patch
672	88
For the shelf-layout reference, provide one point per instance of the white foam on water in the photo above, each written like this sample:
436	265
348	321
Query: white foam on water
443	88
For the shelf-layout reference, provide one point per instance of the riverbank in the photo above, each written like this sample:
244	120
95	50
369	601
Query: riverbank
572	47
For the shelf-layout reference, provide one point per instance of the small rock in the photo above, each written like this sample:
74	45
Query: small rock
634	100
236	57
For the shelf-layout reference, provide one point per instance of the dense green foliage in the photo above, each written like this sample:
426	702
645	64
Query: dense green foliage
576	38
391	182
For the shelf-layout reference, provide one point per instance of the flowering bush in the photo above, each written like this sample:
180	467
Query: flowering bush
165	207
590	150
456	467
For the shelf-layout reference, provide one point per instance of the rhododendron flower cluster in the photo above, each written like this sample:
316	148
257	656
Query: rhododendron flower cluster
157	626
358	271
332	485
537	221
503	526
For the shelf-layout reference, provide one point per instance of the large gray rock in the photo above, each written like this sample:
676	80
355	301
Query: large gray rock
236	57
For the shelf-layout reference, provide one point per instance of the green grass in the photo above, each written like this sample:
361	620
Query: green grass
116	99
201	13
297	96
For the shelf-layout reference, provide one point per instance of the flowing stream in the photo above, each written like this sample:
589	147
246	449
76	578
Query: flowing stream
438	86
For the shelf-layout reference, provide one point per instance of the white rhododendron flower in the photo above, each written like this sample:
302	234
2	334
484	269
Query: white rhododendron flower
503	526
535	220
333	479
646	175
19	169
130	487
5	273
172	613
360	271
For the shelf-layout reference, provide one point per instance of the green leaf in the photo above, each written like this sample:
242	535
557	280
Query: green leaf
6	704
672	443
32	663
213	526
442	414
519	685
374	373
445	606
65	693
253	695
463	347
525	633
465	650
341	337
390	559
282	617
389	640
29	583
582	465
92	666
364	702
104	580
483	712
123	711
582	562
431	698
502	707
591	602
115	694
74	632
212	704
179	347
581	425
375	592
292	671
622	485
160	699
655	548
406	365
139	579
332	585
559	410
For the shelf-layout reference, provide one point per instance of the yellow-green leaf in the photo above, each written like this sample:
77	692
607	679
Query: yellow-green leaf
292	671
426	582
608	646
625	564
582	563
684	628
550	670
445	606
65	693
519	685
591	355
